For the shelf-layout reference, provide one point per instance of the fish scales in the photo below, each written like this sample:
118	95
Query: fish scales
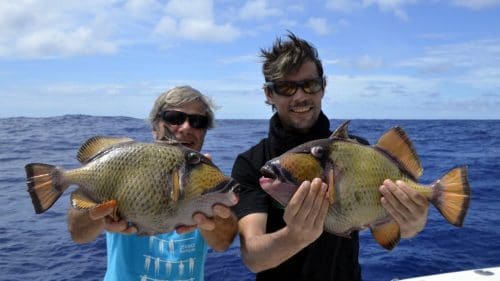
157	186
354	173
359	171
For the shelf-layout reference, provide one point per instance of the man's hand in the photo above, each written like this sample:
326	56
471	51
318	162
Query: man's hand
206	223
218	231
85	226
305	214
406	206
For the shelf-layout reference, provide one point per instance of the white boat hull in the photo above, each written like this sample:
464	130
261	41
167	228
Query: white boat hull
486	274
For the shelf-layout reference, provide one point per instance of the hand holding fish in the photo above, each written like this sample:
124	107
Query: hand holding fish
204	222
305	214
360	195
408	207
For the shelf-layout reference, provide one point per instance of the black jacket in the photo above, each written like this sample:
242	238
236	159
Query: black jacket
330	257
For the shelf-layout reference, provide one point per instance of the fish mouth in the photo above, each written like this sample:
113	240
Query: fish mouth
274	181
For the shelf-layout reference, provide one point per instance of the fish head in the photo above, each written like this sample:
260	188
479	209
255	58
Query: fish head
199	176
281	176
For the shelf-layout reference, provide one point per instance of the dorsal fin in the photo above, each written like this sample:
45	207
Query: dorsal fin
97	144
397	144
341	132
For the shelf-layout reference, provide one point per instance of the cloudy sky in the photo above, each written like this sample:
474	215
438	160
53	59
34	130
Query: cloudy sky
437	59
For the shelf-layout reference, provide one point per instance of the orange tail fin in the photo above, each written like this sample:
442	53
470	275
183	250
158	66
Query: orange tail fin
45	185
452	195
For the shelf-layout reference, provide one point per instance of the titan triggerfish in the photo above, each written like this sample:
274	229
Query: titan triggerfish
354	172
154	186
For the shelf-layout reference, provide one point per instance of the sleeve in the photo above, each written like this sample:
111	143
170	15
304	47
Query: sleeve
246	171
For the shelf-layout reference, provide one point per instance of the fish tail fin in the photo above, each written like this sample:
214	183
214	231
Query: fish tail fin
452	195
45	185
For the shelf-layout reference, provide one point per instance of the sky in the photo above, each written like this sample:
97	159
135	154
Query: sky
383	59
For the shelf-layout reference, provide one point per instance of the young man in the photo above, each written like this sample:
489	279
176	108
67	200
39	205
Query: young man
186	114
290	244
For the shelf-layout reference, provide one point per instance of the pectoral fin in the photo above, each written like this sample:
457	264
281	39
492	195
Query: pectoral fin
82	201
386	234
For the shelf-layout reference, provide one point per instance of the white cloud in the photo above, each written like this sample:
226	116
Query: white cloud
42	29
193	22
476	4
368	62
391	6
463	57
257	9
319	25
342	5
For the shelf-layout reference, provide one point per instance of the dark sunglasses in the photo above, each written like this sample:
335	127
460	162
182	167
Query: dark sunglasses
289	88
175	117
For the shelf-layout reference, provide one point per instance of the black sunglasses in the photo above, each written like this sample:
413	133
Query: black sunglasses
175	117
289	88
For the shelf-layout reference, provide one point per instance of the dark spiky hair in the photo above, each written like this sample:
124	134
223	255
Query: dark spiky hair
286	57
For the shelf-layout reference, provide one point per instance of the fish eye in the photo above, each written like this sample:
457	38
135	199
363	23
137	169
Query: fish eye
193	158
317	151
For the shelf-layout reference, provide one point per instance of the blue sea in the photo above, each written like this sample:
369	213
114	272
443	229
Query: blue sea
38	247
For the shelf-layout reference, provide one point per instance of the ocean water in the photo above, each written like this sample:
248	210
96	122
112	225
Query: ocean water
38	247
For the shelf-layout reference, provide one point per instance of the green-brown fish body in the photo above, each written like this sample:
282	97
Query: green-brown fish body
354	173
155	186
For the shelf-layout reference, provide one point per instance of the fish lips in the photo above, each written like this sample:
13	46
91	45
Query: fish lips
278	183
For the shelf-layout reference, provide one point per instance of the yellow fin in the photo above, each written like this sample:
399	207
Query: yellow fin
80	200
104	208
97	144
397	144
386	234
452	195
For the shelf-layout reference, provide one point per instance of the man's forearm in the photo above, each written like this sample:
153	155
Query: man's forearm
269	250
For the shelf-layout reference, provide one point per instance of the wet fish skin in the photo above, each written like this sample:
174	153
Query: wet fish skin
354	173
157	186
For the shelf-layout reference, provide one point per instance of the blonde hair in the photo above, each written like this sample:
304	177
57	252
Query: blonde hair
177	97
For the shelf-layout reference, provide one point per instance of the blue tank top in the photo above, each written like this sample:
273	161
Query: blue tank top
167	256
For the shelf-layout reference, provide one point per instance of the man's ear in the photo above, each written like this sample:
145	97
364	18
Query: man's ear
269	95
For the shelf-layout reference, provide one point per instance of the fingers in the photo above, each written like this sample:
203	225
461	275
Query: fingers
203	222
120	226
323	210
221	211
392	200
405	205
295	203
309	204
185	229
314	201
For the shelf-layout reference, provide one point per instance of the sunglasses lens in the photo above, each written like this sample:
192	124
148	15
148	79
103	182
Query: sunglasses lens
174	117
313	86
285	88
177	118
289	88
198	121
